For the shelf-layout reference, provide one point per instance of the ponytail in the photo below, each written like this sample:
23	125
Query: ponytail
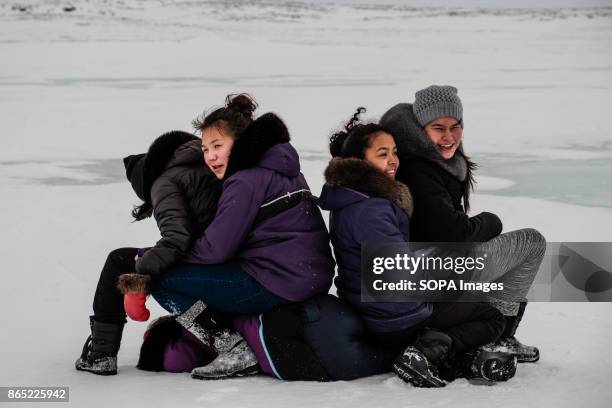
354	138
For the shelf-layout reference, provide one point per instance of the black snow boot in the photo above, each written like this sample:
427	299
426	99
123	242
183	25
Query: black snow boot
99	355
508	343
420	364
487	366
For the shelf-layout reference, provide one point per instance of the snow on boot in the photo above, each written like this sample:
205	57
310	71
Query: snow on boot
99	355
508	343
208	327
200	328
238	361
523	353
226	340
419	364
488	366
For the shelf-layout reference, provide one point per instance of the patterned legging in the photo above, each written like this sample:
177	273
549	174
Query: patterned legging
512	258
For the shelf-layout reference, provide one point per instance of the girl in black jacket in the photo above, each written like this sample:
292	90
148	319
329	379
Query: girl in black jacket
428	135
181	193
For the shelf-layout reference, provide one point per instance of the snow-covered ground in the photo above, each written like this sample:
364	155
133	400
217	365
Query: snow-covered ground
80	89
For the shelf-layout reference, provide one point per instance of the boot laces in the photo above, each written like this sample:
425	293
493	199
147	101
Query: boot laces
86	348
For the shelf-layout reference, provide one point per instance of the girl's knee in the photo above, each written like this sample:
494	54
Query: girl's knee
534	236
537	242
121	254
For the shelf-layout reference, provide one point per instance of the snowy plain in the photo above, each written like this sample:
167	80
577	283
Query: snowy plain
80	89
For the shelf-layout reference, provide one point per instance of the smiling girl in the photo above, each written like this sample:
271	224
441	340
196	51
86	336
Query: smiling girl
267	244
367	205
429	135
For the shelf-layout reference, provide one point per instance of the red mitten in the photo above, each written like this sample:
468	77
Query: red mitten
134	305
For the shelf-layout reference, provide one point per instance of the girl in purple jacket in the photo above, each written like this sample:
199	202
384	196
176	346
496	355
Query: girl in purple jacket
267	244
367	204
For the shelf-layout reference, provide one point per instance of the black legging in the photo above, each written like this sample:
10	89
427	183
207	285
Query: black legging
108	301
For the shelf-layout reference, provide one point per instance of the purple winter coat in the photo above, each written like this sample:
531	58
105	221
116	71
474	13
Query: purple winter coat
367	206
289	253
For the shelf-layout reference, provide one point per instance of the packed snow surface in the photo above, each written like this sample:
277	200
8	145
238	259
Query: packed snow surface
84	83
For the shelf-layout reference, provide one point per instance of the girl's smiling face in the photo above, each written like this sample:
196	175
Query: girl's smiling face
445	133
217	147
382	154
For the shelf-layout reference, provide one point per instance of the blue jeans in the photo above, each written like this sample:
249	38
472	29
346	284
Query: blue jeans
226	288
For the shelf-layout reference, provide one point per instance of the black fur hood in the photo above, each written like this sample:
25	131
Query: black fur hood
267	131
143	169
360	176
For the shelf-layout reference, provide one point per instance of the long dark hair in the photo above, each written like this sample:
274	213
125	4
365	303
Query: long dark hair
234	117
354	138
468	183
142	211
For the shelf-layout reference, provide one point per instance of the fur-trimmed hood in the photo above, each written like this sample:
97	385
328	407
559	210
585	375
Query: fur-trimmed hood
255	141
351	180
143	169
411	139
187	154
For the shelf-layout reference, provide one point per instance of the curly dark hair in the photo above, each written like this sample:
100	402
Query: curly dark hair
354	138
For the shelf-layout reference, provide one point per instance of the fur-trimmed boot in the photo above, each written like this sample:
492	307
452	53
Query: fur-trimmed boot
487	366
235	358
99	355
420	364
508	343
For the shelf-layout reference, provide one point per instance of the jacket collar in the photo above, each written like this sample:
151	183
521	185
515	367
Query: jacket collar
362	178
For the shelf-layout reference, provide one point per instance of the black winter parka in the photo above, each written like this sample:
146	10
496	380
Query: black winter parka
438	211
437	185
184	198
